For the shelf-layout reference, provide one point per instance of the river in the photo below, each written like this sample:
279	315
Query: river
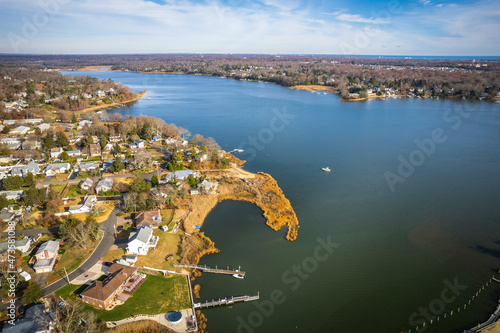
404	229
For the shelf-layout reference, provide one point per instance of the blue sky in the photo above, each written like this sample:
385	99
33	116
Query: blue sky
392	27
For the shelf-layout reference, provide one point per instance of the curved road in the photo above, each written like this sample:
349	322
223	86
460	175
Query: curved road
108	228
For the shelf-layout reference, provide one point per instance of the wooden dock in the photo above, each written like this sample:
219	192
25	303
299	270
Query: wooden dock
225	301
215	270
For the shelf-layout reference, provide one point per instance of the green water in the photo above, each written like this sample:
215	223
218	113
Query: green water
393	249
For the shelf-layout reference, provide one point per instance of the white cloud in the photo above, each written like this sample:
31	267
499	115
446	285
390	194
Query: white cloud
136	26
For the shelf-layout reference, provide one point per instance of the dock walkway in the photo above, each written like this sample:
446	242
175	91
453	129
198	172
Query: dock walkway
215	270
225	301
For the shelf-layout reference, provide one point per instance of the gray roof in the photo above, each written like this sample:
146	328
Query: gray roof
181	174
107	182
50	246
17	244
31	323
57	166
143	235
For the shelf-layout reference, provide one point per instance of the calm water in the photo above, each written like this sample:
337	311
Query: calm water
394	249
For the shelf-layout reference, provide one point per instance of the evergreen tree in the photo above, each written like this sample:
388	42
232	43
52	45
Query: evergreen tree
48	142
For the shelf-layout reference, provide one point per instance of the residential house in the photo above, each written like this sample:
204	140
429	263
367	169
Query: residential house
73	97
74	153
5	215
23	170
88	166
32	121
5	159
55	168
140	241
137	144
95	150
43	127
194	191
181	174
83	123
156	138
100	94
20	130
121	278
31	144
104	185
205	185
87	184
150	219
56	152
22	245
46	257
202	157
12	195
85	207
170	141
115	138
67	127
35	321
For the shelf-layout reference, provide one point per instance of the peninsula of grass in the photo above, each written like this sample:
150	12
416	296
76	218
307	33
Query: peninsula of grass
156	295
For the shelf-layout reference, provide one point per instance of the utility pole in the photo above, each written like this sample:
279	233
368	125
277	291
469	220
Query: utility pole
67	278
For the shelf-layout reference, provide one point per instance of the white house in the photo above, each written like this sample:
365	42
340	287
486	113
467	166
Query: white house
24	169
12	195
181	174
55	168
137	144
83	123
46	257
20	130
56	152
88	166
22	245
43	127
72	153
85	207
100	94
104	185
141	241
87	184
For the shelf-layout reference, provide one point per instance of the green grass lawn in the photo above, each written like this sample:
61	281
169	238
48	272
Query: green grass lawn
58	187
73	191
156	295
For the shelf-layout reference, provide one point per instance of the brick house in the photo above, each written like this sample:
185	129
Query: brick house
120	279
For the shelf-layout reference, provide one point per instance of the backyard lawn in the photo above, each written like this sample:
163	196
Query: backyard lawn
167	244
58	187
73	191
157	295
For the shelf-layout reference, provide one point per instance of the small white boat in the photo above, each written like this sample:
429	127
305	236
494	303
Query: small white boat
239	276
327	169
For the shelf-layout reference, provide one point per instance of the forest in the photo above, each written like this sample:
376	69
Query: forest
445	78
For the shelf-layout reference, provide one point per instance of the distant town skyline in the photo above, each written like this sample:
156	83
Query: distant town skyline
416	27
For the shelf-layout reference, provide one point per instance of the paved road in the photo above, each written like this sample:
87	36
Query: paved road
108	227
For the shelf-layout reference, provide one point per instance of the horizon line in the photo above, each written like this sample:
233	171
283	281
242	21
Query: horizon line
259	54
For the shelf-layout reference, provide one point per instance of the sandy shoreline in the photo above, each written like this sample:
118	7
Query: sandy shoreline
104	106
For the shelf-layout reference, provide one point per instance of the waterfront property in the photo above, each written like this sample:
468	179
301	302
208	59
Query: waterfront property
141	241
108	293
150	219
